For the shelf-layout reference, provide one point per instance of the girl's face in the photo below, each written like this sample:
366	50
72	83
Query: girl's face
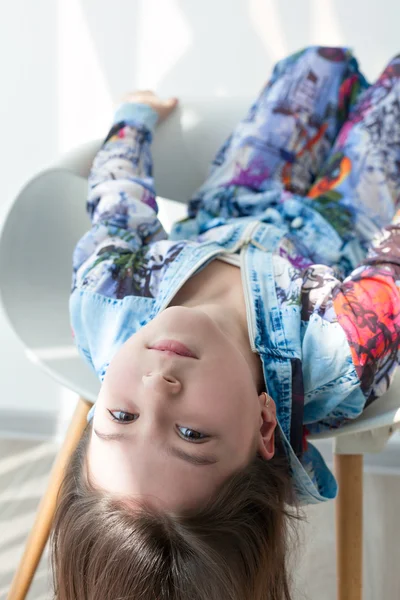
185	423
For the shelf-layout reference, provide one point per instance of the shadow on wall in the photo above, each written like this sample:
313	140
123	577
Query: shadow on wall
227	48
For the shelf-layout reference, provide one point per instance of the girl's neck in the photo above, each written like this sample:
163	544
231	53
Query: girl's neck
217	290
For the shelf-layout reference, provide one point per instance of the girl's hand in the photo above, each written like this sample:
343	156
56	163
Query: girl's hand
162	107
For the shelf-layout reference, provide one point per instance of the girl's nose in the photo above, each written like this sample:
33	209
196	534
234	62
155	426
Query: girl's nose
164	383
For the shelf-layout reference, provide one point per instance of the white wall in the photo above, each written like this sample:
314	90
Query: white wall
62	63
28	116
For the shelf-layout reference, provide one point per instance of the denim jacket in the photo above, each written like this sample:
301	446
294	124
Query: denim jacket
304	321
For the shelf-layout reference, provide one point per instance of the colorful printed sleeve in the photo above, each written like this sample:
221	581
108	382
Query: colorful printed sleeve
121	202
367	305
351	334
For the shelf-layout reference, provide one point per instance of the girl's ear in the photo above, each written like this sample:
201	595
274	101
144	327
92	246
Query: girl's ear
266	445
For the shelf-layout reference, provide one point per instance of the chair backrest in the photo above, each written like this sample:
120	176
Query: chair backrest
48	217
39	233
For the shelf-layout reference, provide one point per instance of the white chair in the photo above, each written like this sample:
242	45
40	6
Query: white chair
36	245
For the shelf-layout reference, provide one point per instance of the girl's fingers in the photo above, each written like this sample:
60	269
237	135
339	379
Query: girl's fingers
161	106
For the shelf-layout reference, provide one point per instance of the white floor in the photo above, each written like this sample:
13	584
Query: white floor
24	467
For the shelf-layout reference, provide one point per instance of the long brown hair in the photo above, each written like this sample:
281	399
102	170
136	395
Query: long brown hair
234	548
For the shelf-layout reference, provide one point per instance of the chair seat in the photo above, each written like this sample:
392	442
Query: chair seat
383	412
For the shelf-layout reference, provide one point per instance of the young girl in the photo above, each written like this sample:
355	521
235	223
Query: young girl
271	312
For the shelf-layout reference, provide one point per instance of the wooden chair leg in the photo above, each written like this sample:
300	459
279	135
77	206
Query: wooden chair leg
40	531
349	526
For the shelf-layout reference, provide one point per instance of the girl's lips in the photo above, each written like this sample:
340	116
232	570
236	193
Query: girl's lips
174	347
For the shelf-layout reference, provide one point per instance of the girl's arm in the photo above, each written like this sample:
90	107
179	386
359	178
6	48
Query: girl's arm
121	201
367	305
351	340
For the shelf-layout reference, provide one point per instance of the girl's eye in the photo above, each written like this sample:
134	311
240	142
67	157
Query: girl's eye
125	418
187	434
191	435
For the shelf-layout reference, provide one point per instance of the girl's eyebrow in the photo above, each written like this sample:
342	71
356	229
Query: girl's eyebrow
190	458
